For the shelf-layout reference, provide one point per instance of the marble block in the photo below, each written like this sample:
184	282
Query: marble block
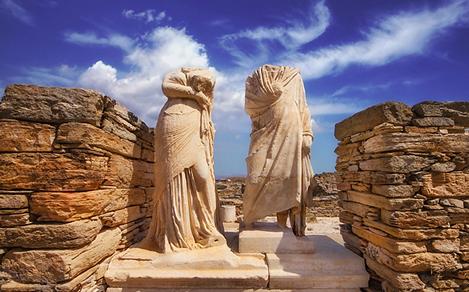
268	237
331	266
215	267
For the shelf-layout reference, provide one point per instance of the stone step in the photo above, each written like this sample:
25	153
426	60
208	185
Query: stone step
331	266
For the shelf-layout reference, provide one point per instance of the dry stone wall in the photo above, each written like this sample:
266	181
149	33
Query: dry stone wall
75	186
404	181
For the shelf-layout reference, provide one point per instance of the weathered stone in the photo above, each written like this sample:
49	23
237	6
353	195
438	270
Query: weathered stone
390	244
369	177
52	104
445	245
444	167
74	234
428	109
419	130
399	164
11	220
414	263
417	143
80	135
122	116
414	234
413	219
65	207
25	137
385	203
359	209
128	173
401	281
433	122
452	184
122	216
394	191
392	112
50	171
13	211
53	266
13	201
457	111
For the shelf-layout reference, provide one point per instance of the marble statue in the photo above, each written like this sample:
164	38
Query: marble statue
185	210
278	163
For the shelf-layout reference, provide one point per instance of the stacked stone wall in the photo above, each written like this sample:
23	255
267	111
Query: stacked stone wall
404	181
75	187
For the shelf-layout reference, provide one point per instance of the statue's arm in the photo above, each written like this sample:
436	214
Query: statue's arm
175	86
306	116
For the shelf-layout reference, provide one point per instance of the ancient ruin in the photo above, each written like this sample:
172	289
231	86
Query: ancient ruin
404	185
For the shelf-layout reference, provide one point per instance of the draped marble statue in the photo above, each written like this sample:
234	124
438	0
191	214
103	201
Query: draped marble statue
184	215
278	163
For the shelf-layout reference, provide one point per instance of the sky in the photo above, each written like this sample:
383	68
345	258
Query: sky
352	54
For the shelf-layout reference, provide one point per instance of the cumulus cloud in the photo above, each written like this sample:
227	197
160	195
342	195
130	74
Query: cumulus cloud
148	16
160	51
17	11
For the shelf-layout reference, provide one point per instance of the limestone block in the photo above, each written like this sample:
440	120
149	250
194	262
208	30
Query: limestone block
384	203
13	201
412	219
391	244
330	267
28	137
451	184
65	207
444	167
10	220
209	268
416	262
69	235
452	143
394	191
359	209
122	216
433	122
270	238
445	245
414	234
120	115
428	109
399	164
50	171
81	135
128	173
53	266
392	112
401	281
373	177
51	104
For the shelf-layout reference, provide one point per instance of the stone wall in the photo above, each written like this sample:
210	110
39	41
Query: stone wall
325	196
404	181
75	186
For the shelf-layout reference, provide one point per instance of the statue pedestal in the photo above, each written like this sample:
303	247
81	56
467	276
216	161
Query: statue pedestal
268	237
215	267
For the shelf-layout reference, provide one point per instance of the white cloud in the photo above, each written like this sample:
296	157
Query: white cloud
162	50
148	16
89	38
17	11
293	35
399	35
320	106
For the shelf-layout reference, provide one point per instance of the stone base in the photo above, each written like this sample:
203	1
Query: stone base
210	268
330	267
268	237
226	290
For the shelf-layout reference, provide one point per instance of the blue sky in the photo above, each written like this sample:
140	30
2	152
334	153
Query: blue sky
352	54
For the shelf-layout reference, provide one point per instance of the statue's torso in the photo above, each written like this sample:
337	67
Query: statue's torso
181	106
